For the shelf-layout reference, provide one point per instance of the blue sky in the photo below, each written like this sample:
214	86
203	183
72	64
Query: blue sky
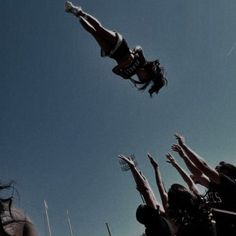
64	116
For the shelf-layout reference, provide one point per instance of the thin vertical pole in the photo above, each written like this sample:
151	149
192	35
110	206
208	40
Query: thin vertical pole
47	218
69	223
108	229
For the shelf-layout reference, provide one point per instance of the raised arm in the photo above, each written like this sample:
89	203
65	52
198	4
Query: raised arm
192	168
142	184
184	175
159	182
201	179
197	175
198	161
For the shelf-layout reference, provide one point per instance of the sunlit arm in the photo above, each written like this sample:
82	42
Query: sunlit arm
187	179
142	184
198	161
159	182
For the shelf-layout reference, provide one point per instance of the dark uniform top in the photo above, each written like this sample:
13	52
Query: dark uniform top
223	196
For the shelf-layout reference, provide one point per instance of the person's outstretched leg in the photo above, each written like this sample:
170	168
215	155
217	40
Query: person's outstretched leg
106	38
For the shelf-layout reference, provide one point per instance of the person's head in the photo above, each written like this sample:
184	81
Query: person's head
180	197
226	169
146	215
152	220
155	78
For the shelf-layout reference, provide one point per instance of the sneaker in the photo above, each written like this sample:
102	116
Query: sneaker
70	8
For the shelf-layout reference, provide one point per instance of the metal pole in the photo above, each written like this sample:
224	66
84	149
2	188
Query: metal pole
108	229
69	223
47	218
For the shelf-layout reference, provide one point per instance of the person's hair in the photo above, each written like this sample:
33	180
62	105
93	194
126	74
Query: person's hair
189	211
180	197
227	169
157	78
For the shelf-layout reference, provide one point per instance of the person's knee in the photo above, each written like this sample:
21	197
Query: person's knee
86	25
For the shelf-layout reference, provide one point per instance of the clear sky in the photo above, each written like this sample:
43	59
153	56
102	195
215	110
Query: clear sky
64	116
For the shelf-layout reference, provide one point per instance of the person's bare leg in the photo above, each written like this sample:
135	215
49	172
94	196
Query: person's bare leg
105	38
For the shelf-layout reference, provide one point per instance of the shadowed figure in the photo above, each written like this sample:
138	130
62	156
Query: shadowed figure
220	183
184	207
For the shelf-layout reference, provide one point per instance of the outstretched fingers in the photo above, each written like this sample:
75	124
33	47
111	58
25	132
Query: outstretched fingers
180	138
70	8
176	148
152	161
127	159
170	158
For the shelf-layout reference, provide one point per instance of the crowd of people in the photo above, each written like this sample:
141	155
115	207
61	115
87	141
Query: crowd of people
184	210
181	211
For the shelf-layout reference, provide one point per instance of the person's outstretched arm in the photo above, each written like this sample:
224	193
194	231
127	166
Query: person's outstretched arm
159	182
197	175
201	179
184	175
192	168
142	184
198	161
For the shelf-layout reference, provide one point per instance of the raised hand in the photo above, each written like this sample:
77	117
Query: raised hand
128	160
180	139
153	162
177	148
70	8
170	159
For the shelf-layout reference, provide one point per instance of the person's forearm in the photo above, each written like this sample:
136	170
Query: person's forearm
192	168
138	178
199	162
162	191
204	181
194	157
144	188
186	178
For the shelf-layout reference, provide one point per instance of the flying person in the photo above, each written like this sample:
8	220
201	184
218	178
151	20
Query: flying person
130	62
